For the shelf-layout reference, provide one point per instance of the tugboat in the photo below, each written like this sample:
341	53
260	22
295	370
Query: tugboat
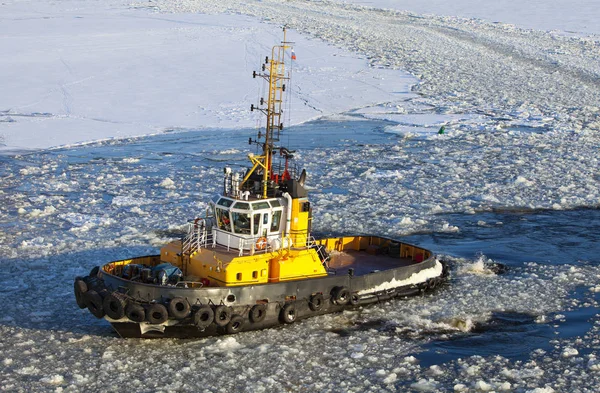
251	262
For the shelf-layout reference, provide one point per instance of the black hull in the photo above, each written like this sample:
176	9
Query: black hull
211	311
186	329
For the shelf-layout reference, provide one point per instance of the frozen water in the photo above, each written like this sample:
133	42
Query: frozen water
517	330
569	16
513	180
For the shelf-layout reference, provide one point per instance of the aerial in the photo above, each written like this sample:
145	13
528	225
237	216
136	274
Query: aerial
469	129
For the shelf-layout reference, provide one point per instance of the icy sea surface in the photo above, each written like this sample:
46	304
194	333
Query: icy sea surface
480	195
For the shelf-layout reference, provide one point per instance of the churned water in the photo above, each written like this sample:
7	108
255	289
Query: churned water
510	210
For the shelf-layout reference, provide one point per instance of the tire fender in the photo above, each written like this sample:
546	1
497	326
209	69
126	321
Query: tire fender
135	312
235	325
157	314
288	313
80	287
179	308
93	302
258	313
204	316
340	295
222	315
354	299
114	305
316	302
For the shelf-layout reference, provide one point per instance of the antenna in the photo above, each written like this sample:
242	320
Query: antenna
273	72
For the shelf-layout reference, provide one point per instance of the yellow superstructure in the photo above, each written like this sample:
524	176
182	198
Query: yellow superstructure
299	223
221	268
259	228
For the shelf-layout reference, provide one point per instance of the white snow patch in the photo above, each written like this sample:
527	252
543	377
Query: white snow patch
168	184
56	379
483	386
523	181
425	385
569	352
125	200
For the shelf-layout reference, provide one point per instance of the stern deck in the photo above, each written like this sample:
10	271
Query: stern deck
364	263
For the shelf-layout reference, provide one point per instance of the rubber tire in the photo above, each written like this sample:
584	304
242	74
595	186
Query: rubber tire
431	284
316	302
204	316
80	287
288	313
179	308
222	315
235	325
135	312
114	305
93	302
445	269
258	313
157	314
341	295
354	299
94	272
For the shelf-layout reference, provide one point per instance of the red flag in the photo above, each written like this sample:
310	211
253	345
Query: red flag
293	55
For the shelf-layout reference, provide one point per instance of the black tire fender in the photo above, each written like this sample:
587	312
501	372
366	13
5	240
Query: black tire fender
431	283
93	302
157	314
316	302
340	295
203	316
80	287
445	269
354	299
179	308
114	305
94	272
288	313
258	313
235	325
222	315
135	312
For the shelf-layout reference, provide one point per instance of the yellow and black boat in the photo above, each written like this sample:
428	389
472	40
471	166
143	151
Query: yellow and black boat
251	262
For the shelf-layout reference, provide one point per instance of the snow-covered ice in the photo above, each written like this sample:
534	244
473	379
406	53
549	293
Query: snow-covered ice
514	179
93	71
567	16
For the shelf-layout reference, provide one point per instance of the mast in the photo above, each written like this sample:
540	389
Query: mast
273	72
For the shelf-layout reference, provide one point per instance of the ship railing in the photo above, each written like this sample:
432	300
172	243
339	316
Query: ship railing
197	236
301	245
321	251
246	245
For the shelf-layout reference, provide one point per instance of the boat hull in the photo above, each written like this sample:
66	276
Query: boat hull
253	307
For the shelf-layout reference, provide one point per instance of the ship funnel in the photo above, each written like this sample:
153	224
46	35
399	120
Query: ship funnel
302	177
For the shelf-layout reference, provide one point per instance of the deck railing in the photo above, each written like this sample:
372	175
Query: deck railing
200	234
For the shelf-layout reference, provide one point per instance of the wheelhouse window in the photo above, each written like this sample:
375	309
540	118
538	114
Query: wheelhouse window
256	221
225	202
241	223
242	206
260	205
275	221
223	219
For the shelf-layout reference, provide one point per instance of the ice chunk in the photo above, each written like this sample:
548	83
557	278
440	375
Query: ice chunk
168	184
